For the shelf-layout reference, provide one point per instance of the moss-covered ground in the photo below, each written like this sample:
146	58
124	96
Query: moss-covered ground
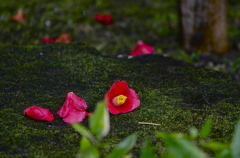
173	94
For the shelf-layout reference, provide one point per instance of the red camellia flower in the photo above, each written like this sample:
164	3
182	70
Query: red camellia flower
121	99
48	40
142	48
38	113
104	19
73	109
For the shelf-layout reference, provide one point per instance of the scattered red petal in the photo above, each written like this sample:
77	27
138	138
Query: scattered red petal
98	17
38	113
19	17
63	38
121	99
48	40
104	19
73	109
142	48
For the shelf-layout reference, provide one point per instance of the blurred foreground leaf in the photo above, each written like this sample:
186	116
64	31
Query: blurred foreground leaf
235	146
180	147
123	147
99	121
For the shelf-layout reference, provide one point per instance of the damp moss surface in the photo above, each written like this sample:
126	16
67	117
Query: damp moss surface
173	94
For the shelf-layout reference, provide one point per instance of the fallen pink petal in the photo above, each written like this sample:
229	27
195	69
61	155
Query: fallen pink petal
121	99
142	48
73	109
38	113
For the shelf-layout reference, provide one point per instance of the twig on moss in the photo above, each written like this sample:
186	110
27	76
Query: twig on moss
148	123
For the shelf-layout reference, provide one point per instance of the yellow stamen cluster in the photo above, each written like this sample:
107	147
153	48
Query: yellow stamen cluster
119	100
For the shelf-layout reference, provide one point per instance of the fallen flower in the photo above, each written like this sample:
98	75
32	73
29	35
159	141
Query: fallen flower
48	40
142	48
121	99
73	109
19	17
104	19
63	38
38	113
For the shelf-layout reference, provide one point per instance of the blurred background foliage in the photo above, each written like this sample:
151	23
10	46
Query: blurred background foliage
156	22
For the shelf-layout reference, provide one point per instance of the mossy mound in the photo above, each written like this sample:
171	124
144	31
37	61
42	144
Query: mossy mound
173	94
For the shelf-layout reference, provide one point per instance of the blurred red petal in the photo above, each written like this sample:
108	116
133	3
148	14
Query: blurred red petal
107	19
98	17
48	40
142	48
104	19
38	113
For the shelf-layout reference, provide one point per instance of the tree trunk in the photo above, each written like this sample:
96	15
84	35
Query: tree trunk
204	26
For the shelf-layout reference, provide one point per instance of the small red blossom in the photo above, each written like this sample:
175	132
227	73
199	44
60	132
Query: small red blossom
38	113
121	99
104	19
63	38
48	40
73	109
19	17
142	48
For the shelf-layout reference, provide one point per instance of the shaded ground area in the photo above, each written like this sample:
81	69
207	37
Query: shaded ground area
153	21
174	94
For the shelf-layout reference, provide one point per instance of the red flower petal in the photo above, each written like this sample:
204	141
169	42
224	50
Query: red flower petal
38	113
98	17
48	40
107	19
72	102
117	89
75	116
104	19
142	48
73	109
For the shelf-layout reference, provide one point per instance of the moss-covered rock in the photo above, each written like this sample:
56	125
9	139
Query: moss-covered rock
173	94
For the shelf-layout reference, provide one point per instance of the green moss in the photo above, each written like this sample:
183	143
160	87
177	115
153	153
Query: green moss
172	93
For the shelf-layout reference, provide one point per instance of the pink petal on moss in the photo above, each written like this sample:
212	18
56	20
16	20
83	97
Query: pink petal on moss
72	102
75	116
